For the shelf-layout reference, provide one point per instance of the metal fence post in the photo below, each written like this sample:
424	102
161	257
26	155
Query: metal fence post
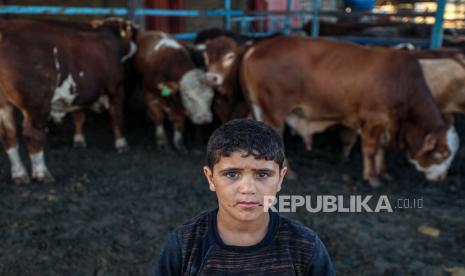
436	32
288	17
315	17
227	17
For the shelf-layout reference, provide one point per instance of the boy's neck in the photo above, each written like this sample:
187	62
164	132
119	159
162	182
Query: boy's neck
239	233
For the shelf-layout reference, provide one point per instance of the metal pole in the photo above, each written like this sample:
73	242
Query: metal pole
227	18
132	5
436	32
289	17
315	19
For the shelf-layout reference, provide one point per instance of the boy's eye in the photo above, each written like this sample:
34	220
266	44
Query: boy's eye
231	174
263	174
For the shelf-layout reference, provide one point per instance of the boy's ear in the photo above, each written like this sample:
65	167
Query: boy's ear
209	175
282	174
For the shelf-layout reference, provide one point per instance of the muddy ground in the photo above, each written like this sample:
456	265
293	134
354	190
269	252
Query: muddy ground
108	213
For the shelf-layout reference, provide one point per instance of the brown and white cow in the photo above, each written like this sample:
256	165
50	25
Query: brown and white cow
172	85
311	84
48	69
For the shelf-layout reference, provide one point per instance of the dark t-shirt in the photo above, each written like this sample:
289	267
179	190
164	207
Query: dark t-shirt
288	248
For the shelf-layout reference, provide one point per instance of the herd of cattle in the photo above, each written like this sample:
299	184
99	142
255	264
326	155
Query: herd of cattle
391	98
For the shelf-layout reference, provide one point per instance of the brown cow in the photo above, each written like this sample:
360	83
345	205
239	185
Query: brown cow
48	69
444	72
229	103
311	84
172	85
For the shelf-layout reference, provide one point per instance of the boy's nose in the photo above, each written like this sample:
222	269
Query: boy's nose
247	186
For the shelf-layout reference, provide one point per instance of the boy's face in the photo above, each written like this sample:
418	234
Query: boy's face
241	183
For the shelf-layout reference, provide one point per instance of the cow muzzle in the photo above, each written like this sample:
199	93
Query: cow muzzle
214	79
436	177
203	119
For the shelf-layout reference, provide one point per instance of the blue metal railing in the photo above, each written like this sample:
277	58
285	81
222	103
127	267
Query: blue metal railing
227	13
112	11
227	18
62	10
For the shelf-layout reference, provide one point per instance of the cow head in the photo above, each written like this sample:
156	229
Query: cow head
220	54
125	29
196	96
437	152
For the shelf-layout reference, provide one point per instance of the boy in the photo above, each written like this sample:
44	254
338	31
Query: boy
245	163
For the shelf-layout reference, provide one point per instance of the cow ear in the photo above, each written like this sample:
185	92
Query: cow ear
205	58
429	143
228	59
168	88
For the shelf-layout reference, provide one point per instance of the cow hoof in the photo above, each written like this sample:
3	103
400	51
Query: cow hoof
22	179
121	145
79	141
80	144
374	182
44	177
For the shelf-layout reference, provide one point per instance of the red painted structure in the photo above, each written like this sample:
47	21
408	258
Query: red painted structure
168	24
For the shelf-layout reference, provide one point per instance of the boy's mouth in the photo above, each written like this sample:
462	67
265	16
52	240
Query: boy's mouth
248	204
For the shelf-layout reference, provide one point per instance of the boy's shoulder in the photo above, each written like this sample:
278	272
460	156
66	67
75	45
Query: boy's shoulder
194	228
199	220
307	250
296	229
305	247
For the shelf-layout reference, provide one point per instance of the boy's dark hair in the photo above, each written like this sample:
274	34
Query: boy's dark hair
253	137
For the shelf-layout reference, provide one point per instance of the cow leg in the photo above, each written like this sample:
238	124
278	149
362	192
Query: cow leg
116	116
160	137
197	139
380	165
79	118
348	138
291	174
301	126
178	140
157	116
10	142
34	136
369	171
373	154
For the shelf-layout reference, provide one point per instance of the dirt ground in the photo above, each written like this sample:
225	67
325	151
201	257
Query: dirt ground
108	213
